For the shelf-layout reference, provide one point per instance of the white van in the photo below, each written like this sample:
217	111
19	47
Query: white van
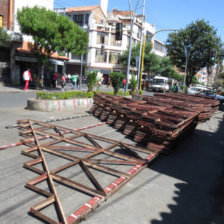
160	83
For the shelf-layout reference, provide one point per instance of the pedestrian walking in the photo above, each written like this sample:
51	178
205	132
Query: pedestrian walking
69	78
55	77
63	82
27	78
74	81
124	83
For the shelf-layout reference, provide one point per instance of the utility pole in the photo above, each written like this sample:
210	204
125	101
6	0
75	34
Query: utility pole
142	38
132	13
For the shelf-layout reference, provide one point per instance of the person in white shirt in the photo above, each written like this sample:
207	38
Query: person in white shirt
27	78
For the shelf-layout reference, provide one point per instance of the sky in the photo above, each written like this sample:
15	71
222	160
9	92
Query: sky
166	14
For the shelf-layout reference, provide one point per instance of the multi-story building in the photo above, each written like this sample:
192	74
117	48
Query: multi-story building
101	26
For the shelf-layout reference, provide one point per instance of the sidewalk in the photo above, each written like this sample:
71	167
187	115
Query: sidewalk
68	87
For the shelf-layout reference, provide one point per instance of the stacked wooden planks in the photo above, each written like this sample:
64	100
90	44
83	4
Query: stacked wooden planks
159	121
206	106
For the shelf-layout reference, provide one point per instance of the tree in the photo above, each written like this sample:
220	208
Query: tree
51	32
4	37
166	69
196	42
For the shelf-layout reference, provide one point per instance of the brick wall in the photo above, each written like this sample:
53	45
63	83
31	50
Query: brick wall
4	10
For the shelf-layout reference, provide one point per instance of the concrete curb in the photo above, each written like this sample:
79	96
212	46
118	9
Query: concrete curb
58	105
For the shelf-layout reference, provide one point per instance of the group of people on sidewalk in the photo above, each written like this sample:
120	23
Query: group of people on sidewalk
57	78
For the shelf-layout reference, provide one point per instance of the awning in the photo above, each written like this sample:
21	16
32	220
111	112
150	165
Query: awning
57	62
25	49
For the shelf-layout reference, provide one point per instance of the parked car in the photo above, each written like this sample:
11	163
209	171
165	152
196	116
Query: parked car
203	91
196	90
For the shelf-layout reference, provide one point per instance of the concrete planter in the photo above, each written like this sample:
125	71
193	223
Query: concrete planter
58	105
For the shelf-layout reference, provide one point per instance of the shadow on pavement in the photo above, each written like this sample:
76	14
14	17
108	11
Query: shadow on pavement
198	161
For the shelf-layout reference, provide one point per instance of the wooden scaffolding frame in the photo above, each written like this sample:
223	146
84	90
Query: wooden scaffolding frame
35	131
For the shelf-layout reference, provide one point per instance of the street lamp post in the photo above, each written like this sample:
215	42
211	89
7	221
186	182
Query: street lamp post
186	61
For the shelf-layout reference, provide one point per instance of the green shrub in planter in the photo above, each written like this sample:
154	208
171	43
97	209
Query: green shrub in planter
133	83
64	96
91	80
116	80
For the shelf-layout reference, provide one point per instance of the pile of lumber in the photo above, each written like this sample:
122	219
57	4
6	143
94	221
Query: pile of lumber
206	106
159	121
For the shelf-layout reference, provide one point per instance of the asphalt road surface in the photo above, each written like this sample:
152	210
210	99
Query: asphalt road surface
12	100
174	189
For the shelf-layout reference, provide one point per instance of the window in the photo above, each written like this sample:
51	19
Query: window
139	33
85	56
159	47
148	36
113	40
113	57
102	38
78	19
87	20
101	58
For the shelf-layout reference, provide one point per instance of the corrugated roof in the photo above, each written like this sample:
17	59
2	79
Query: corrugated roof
25	49
82	8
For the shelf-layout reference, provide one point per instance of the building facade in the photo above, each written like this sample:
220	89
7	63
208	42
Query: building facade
101	27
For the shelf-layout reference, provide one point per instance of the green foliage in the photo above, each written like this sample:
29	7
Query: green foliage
119	93
139	92
51	32
116	80
73	95
151	61
184	89
195	41
91	80
64	96
133	83
4	37
194	80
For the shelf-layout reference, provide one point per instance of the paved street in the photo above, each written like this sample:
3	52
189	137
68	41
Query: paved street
174	189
